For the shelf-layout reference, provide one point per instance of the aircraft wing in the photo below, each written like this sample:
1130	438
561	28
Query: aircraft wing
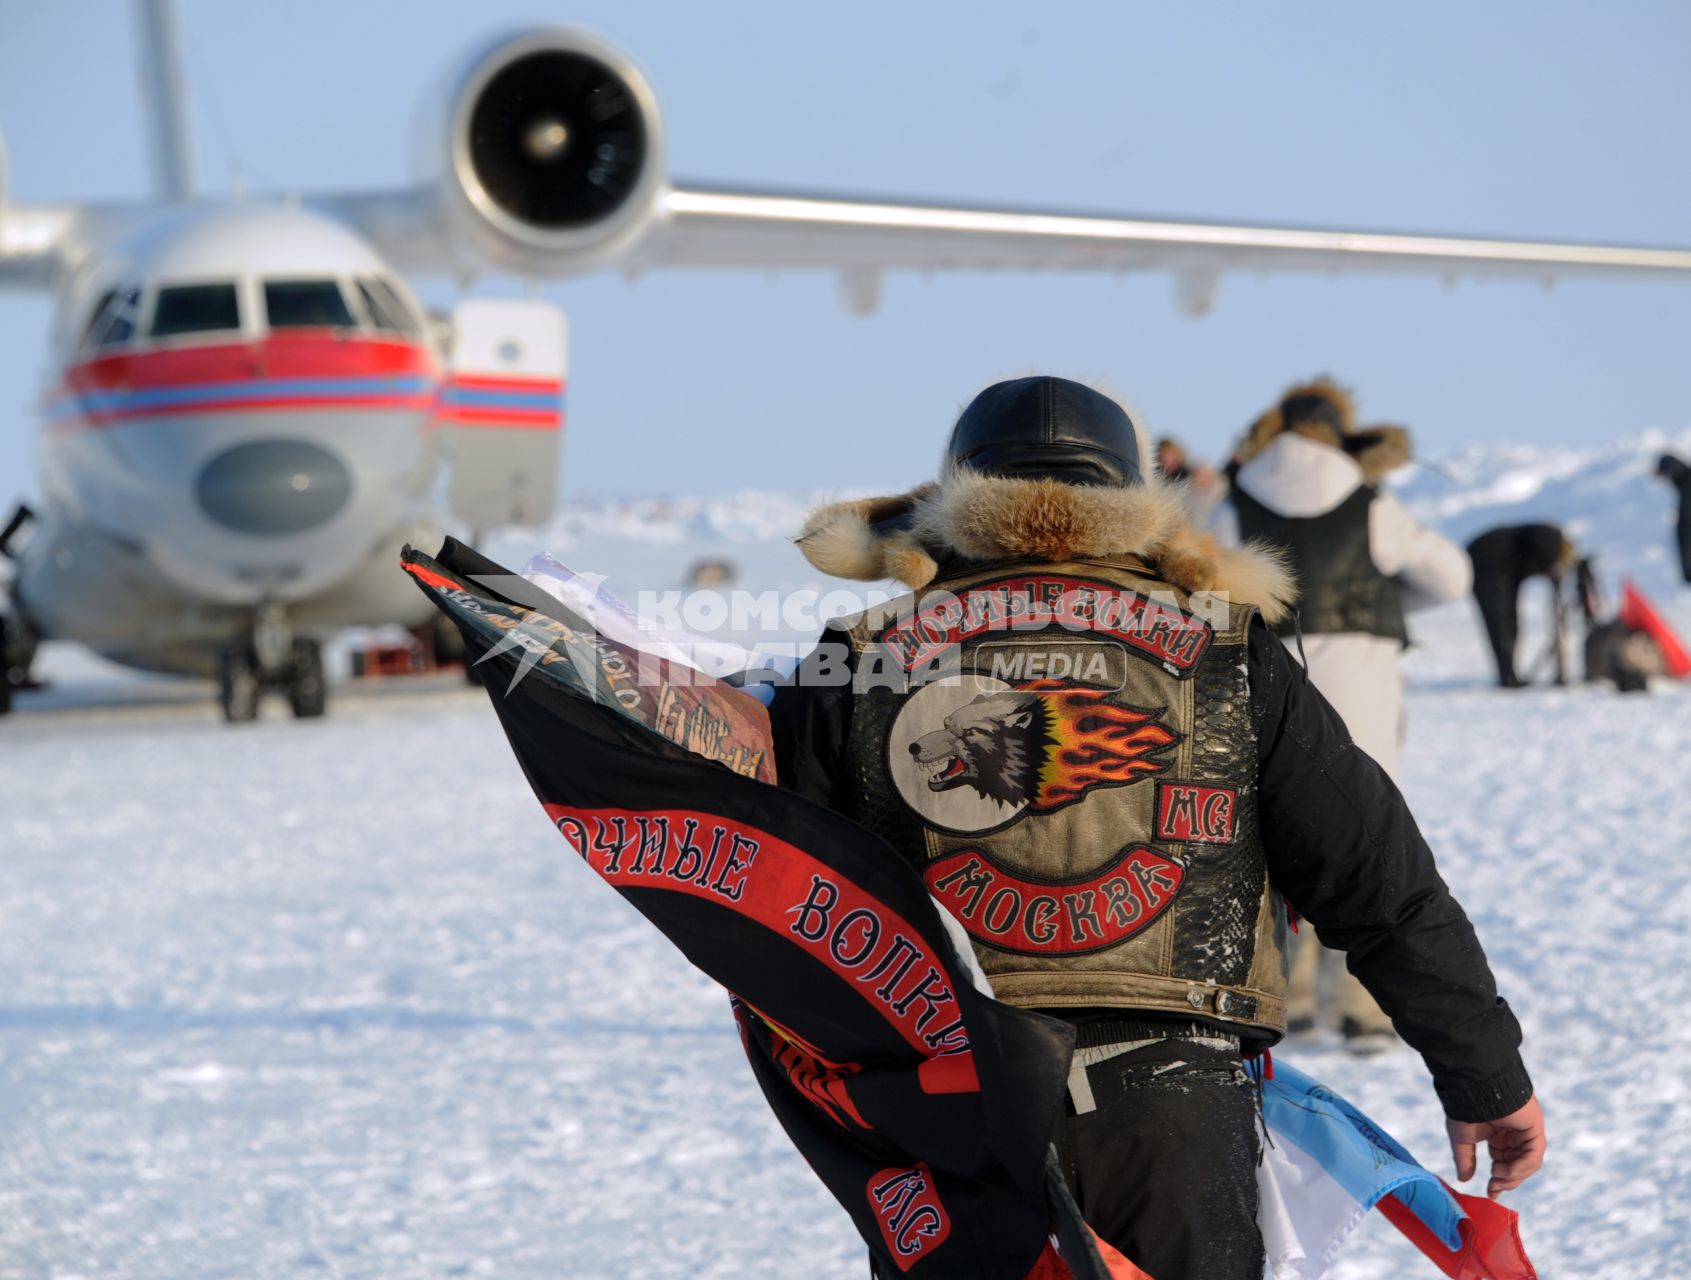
43	245
34	242
700	227
708	227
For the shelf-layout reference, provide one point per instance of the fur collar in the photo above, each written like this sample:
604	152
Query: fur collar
1379	451
971	517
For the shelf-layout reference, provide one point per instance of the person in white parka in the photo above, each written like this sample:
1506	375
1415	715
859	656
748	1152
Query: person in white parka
1308	481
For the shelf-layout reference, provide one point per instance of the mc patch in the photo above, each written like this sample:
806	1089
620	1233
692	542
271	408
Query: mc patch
907	1207
1013	912
976	754
1190	813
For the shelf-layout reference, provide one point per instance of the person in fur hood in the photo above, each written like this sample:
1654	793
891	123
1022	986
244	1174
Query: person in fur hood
1309	482
1080	729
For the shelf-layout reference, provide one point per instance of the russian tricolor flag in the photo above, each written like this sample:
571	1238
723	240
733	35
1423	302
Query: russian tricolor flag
1328	1164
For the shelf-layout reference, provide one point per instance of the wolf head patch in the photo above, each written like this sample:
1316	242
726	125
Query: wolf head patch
975	755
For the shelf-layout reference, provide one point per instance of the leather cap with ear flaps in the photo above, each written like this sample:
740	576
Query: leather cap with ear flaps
1047	428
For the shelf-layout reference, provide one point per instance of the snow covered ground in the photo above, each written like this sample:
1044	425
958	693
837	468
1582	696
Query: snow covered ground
333	999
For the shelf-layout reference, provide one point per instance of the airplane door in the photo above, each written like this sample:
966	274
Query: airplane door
502	408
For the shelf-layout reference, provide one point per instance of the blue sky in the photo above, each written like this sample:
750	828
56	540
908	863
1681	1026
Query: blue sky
1557	120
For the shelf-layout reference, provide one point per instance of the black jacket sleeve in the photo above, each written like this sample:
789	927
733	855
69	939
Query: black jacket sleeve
1675	471
809	720
1344	849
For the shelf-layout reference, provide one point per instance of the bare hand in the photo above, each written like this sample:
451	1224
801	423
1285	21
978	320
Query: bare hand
1516	1142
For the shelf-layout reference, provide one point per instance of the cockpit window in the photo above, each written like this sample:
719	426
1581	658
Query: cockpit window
195	308
379	307
306	304
408	313
386	307
97	317
113	321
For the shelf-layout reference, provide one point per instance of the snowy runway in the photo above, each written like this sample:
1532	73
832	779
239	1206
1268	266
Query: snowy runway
333	999
342	1022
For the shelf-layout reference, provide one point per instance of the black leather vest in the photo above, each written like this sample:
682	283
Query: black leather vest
1080	790
1339	589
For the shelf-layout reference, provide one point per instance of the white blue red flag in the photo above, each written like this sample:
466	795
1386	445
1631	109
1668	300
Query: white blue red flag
1328	1165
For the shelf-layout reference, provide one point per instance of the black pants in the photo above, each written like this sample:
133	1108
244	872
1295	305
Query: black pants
1498	595
1165	1168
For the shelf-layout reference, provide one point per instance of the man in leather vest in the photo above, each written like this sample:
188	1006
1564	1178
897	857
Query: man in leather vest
1309	485
1082	733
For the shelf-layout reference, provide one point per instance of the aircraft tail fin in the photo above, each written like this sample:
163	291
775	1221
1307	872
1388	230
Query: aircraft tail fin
164	100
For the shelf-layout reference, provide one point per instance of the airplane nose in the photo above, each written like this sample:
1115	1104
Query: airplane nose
273	487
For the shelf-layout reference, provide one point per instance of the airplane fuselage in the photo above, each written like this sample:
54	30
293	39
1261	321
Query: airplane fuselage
248	416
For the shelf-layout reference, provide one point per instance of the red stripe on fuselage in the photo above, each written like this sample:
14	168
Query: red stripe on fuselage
479	382
530	419
302	354
305	353
236	404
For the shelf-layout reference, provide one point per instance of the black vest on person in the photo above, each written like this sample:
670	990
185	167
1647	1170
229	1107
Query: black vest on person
1080	792
1339	588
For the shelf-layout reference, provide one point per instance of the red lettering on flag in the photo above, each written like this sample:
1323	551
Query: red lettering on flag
770	882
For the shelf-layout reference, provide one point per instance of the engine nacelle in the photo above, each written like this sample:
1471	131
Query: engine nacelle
549	152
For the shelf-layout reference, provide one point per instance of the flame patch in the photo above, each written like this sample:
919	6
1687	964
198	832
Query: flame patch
816	1079
1094	743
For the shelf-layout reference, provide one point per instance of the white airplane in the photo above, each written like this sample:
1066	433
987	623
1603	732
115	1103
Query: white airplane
252	412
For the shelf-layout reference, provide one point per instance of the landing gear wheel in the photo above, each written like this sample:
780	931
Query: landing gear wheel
238	685
308	691
17	650
444	641
443	645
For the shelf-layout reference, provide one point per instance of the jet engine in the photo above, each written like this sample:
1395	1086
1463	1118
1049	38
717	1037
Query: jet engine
549	154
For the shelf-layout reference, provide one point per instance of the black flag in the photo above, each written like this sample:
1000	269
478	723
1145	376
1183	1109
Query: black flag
925	1106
